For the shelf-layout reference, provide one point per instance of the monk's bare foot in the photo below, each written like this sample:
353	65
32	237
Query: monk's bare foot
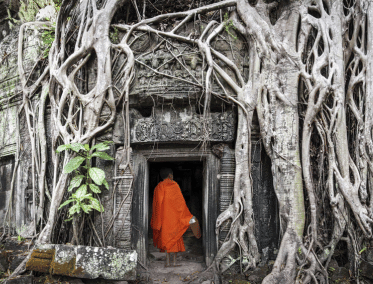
167	260
174	262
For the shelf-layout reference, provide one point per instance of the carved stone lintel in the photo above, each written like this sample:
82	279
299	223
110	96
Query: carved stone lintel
218	127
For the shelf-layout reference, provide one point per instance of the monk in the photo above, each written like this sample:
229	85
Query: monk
171	216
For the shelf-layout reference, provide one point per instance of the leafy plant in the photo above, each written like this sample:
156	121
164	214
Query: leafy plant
57	2
114	35
86	178
47	37
228	24
20	238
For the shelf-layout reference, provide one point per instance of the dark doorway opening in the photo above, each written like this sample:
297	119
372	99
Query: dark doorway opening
189	176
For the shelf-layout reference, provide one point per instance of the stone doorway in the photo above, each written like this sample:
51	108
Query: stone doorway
145	163
189	176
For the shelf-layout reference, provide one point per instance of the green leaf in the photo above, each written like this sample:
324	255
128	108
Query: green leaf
87	196
86	146
102	146
80	192
86	207
74	209
364	249
77	147
73	164
63	148
96	205
65	203
103	156
97	175
104	182
94	188
75	182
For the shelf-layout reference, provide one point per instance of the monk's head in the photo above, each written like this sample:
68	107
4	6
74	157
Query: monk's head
166	173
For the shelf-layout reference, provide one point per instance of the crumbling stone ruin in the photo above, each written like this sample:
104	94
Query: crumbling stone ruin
262	108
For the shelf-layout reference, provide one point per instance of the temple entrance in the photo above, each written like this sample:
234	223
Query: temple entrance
196	172
189	176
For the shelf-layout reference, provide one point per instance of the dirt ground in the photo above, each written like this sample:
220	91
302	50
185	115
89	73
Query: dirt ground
191	270
191	263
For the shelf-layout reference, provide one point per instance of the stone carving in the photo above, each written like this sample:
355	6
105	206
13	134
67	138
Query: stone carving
8	138
227	171
218	149
123	201
177	71
177	77
218	127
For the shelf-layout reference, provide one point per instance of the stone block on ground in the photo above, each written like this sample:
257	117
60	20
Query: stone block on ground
41	259
366	281
15	245
75	281
340	274
16	260
333	265
2	268
84	262
29	279
366	269
258	274
4	264
368	254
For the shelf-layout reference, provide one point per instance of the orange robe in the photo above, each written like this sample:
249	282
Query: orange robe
170	218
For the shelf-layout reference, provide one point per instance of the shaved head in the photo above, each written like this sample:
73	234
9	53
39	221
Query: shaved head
164	172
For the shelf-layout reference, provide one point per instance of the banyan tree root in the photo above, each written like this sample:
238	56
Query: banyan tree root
78	114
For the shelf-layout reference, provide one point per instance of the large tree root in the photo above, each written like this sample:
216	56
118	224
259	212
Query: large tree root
295	263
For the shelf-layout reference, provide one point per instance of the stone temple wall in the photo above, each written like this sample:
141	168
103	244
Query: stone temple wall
10	103
10	96
164	113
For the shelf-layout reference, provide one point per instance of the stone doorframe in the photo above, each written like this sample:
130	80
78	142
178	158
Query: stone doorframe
140	203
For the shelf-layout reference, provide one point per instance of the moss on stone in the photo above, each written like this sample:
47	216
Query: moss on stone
40	260
67	268
29	8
